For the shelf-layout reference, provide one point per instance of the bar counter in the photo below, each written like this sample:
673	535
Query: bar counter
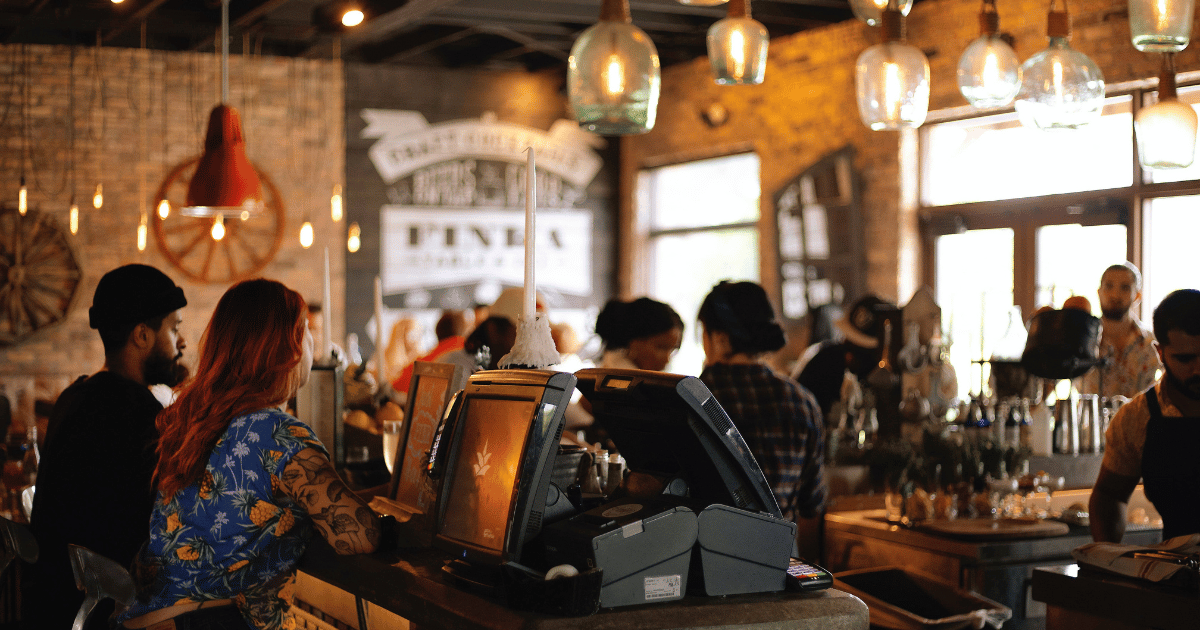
408	582
1077	598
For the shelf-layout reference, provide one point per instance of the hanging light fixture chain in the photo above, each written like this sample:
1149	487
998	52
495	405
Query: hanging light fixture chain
224	51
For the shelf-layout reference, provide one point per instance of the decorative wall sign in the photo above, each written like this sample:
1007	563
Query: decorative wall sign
247	247
452	231
39	274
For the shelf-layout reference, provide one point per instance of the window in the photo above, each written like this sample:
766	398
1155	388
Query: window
1041	215
701	228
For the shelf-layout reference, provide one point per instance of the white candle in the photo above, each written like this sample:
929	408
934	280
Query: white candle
530	226
378	331
327	321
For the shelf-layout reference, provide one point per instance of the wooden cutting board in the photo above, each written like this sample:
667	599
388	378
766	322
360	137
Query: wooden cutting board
995	529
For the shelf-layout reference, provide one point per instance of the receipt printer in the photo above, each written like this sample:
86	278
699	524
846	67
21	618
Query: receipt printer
740	552
644	547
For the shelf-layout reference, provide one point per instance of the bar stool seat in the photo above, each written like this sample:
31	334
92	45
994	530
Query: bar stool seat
99	578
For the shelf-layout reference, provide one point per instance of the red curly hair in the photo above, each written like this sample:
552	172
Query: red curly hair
248	358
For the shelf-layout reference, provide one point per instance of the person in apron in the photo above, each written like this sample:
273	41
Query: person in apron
1153	438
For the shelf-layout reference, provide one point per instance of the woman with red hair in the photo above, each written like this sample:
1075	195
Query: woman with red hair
241	483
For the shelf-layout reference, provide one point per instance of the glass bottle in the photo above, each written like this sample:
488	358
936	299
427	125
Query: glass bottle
1161	25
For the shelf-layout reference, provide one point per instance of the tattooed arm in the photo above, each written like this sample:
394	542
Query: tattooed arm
342	518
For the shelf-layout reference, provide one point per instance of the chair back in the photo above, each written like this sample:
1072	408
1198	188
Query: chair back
99	578
16	542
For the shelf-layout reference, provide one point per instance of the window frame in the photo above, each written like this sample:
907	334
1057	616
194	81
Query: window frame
1024	216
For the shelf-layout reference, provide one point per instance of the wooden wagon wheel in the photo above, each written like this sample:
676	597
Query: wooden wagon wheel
39	274
187	242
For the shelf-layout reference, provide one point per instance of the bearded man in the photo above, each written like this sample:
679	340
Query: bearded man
1131	362
94	482
1153	438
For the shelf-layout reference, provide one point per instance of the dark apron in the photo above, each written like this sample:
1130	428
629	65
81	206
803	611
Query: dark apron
1171	469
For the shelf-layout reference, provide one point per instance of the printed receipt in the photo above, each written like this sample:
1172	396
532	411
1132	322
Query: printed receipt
662	587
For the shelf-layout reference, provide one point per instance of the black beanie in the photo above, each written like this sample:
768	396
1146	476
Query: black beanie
131	294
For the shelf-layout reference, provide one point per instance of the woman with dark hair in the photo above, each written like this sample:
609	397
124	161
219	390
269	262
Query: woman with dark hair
641	334
779	419
240	483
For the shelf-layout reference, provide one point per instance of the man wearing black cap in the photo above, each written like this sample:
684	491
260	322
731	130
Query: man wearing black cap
94	482
858	352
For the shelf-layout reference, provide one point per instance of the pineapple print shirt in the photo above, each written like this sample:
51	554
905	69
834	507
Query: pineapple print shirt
232	535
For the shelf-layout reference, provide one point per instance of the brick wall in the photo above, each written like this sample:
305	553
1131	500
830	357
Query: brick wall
806	108
137	114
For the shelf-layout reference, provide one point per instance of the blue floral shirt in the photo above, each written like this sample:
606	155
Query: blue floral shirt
234	534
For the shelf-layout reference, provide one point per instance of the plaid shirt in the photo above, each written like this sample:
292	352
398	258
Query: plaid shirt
781	423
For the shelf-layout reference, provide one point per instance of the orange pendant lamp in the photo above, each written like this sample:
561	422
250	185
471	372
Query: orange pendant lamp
225	182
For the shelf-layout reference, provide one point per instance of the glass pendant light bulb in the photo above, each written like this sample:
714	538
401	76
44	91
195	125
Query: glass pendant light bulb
737	47
613	75
218	228
871	11
1161	25
892	80
1166	130
352	17
164	209
73	215
335	204
23	198
989	73
98	197
354	239
141	233
1061	88
306	234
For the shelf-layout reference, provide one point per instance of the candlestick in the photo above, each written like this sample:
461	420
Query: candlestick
327	320
530	202
379	331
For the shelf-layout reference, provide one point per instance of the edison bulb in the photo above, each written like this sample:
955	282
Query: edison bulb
737	51
306	235
74	217
892	85
218	228
336	211
98	197
1061	88
613	79
141	234
164	209
354	238
989	73
353	17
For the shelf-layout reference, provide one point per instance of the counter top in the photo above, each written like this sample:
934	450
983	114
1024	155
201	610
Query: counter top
409	583
1091	595
874	524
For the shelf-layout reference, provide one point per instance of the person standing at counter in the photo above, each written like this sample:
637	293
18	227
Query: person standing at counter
641	334
241	483
1128	346
93	486
824	367
778	418
1154	437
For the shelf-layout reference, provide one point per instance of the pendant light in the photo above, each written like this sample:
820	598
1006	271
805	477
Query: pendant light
336	211
354	238
1166	130
1161	25
989	73
613	75
306	233
225	182
1061	88
737	47
871	11
892	79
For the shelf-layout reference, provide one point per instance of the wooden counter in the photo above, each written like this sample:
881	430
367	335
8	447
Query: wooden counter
1089	599
997	569
409	584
